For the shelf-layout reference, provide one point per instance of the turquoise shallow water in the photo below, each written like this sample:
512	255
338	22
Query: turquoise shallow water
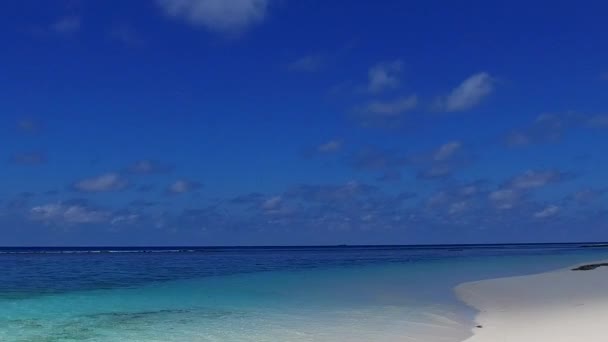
315	294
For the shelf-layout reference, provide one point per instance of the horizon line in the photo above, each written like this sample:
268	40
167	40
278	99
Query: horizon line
315	246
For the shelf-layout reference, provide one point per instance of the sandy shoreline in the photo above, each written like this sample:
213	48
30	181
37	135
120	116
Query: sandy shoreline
558	306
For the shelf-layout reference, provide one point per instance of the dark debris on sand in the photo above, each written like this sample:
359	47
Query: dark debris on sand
589	267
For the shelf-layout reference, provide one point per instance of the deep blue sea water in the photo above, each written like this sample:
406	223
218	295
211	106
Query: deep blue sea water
364	293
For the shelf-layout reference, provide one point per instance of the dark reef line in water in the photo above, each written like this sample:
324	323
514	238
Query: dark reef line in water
219	249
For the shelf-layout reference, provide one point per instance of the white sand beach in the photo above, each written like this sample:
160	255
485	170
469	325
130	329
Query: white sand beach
559	306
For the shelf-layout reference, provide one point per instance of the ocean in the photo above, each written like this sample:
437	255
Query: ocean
278	294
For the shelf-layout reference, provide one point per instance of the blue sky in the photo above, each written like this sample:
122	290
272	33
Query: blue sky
265	122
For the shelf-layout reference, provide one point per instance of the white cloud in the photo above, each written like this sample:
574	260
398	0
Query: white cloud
453	202
217	15
105	182
547	128
458	207
330	146
182	186
468	94
272	203
308	63
518	187
274	206
47	211
124	219
442	161
534	179
505	198
70	214
384	76
547	212
447	151
392	108
78	214
66	25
